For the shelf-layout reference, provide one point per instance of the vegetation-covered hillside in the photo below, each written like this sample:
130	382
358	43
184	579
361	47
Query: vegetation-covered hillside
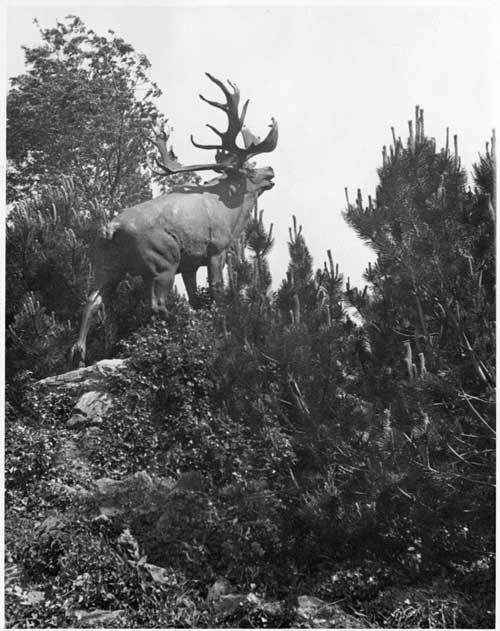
265	461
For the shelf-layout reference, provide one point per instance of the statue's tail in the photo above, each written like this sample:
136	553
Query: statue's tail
106	232
105	255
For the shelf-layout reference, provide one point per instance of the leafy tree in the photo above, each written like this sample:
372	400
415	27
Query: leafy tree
81	109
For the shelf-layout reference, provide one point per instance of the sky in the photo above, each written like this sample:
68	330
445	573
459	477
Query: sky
335	76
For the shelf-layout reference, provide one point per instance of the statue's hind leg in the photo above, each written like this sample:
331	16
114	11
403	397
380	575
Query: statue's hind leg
79	348
95	300
110	321
161	289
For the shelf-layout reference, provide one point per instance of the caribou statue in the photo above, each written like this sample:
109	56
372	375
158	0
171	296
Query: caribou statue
189	227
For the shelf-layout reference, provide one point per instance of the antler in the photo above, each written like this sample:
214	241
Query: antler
169	163
228	152
235	120
229	155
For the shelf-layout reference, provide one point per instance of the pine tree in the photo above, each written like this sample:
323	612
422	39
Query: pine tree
259	241
248	305
431	305
429	280
297	293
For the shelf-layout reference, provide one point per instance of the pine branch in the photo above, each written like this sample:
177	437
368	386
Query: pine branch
477	414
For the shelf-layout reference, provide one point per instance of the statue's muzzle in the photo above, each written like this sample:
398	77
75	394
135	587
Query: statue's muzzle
268	177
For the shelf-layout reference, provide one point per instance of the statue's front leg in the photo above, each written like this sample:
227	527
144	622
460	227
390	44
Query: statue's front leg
110	318
189	279
215	277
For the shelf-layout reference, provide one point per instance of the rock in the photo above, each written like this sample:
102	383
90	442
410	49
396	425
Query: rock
71	491
90	375
33	597
225	603
272	608
12	575
220	598
70	458
159	574
189	481
50	525
308	604
319	615
221	587
99	617
140	481
90	409
135	494
106	485
257	549
107	512
27	597
127	541
89	384
228	604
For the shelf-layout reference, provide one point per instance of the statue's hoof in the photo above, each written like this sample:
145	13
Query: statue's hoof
77	357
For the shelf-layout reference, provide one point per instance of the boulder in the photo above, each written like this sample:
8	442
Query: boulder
89	387
221	587
137	493
159	574
95	617
317	614
90	409
93	376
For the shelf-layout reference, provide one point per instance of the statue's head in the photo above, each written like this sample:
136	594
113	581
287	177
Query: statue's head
229	158
260	179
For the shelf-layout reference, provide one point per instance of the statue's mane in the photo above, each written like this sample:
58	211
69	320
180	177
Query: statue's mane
213	183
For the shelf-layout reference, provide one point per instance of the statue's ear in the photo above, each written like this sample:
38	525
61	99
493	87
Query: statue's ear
249	138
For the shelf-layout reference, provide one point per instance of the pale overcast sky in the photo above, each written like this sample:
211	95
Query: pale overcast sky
335	77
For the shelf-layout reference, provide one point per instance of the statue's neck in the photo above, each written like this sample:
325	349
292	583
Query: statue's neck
238	194
238	191
241	212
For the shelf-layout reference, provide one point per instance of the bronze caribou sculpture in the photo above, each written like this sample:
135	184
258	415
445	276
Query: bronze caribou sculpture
186	228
